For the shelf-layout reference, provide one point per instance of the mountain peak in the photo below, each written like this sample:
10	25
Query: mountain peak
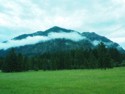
58	29
55	29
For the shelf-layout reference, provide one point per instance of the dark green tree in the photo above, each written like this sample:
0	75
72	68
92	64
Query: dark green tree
103	57
116	56
1	62
11	63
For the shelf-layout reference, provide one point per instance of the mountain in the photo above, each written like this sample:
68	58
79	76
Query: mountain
55	39
55	29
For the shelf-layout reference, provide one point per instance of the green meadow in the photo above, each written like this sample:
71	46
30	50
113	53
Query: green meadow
110	81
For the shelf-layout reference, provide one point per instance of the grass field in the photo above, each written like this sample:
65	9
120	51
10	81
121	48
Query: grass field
111	81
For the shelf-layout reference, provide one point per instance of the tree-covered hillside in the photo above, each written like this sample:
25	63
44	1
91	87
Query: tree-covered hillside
100	57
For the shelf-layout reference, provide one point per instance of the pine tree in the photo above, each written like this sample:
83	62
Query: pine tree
1	62
116	56
11	63
103	57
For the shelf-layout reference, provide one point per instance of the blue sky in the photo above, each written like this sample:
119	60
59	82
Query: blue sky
105	17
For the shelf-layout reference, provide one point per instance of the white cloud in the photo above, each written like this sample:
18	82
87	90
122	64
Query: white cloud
100	16
95	42
119	39
72	36
36	39
118	35
27	41
26	14
119	1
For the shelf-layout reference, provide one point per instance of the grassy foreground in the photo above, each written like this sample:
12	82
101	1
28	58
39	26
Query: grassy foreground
110	81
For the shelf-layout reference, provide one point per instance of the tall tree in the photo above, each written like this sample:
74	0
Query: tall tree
116	56
103	57
1	62
11	63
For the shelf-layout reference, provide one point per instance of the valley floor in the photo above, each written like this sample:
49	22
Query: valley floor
111	81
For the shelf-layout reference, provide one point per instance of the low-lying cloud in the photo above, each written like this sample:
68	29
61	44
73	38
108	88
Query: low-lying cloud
23	42
74	36
25	16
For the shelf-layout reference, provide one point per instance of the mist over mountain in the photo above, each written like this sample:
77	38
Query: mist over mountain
56	39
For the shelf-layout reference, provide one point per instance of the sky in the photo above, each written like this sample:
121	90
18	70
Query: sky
104	17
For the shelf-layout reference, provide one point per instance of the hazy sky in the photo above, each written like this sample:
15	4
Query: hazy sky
105	17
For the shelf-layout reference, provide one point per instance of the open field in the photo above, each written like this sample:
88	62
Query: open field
111	81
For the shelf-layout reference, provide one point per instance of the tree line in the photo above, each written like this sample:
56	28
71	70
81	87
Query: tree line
100	57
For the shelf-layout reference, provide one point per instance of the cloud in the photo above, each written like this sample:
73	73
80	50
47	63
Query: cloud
23	42
72	36
35	13
118	35
119	39
36	39
26	16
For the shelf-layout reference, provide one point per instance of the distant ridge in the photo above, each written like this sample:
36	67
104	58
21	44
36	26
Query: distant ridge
57	39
